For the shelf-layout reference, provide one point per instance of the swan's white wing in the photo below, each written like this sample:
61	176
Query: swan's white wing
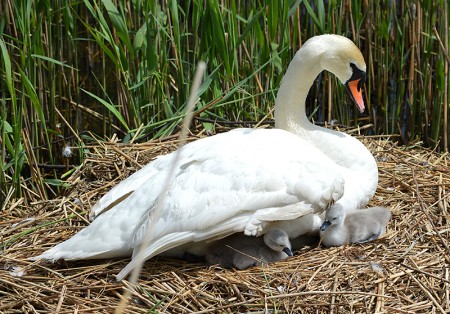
236	181
217	193
270	175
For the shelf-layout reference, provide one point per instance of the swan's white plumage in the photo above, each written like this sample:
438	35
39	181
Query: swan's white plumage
240	181
211	188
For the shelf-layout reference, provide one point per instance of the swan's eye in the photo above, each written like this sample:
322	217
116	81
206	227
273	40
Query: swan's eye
357	75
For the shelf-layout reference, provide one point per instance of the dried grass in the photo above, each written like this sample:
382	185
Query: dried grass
406	271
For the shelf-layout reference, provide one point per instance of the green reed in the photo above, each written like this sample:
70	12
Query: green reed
74	70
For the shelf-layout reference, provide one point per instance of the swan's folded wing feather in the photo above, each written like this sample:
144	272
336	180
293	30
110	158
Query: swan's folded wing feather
122	190
268	185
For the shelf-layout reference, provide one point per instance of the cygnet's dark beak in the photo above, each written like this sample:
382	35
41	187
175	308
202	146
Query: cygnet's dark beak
325	225
288	251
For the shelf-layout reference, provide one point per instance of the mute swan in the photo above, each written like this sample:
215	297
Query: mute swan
241	251
355	226
243	180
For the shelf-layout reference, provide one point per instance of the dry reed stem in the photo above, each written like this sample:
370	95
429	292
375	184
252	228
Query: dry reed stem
406	271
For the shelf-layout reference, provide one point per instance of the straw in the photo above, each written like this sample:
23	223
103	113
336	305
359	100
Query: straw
405	271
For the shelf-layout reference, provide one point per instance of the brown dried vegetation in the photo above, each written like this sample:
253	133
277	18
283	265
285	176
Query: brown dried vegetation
406	271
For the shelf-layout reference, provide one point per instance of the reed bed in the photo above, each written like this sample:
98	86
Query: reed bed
405	271
103	66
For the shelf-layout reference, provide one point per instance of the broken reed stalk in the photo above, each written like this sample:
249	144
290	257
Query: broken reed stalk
446	62
444	49
201	67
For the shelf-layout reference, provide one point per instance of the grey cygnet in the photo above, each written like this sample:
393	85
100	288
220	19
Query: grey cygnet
356	226
241	251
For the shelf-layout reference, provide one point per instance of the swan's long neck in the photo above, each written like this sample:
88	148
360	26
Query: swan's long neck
290	103
347	152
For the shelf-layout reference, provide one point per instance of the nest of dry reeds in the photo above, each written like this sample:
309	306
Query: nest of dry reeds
405	271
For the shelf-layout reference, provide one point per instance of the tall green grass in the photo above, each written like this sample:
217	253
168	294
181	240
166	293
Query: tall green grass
71	70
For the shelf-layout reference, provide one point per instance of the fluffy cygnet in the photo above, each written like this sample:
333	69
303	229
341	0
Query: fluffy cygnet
341	227
241	251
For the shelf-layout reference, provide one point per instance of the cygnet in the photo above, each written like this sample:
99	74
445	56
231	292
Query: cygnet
241	251
356	226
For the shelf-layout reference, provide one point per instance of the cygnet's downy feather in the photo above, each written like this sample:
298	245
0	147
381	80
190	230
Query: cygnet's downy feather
241	251
354	226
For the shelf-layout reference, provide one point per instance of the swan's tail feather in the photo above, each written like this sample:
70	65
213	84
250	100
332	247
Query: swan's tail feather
70	252
54	254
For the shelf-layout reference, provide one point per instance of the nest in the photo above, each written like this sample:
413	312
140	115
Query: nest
405	271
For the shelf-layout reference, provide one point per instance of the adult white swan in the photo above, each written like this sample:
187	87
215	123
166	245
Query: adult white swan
244	180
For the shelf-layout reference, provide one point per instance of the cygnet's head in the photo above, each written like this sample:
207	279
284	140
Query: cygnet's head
278	240
335	215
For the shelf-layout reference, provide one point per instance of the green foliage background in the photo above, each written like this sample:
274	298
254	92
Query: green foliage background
74	70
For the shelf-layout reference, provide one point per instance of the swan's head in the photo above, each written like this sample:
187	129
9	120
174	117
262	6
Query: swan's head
278	240
334	216
340	56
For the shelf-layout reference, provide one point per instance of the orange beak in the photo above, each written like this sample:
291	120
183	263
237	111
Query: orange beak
354	89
